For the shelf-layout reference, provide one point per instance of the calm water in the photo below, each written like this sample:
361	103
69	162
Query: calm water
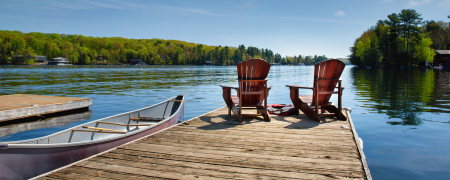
402	115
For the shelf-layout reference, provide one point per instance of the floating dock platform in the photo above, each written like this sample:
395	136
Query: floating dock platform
22	105
217	146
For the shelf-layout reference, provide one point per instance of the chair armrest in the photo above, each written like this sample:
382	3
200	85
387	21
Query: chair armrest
256	79
237	88
253	80
297	87
226	86
326	79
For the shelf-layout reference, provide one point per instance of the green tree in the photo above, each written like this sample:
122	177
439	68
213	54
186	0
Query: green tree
392	38
410	19
424	52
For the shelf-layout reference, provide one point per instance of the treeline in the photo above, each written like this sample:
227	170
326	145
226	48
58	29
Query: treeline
401	39
21	48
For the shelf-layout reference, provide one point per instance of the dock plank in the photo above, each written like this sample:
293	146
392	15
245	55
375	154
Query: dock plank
216	146
97	174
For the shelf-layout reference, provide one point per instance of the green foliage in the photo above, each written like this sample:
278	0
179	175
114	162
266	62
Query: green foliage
424	52
362	48
17	47
389	42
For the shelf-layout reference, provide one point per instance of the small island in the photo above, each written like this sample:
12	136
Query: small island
403	40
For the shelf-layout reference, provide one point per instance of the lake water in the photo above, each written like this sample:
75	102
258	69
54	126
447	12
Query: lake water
402	115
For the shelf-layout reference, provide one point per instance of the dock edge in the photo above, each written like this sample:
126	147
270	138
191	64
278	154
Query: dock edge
358	145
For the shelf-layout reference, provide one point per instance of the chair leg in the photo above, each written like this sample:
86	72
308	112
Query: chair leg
309	111
227	98
294	99
236	113
264	113
338	114
264	110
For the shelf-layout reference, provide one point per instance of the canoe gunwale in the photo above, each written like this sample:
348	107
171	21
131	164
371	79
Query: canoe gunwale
13	144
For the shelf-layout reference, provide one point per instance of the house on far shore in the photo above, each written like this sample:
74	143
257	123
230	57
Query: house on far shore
137	62
442	56
59	61
41	59
208	63
100	59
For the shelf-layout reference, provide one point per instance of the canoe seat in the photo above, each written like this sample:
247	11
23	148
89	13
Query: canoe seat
104	129
99	131
119	124
147	119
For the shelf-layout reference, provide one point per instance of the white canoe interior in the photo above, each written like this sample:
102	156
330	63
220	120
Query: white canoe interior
112	127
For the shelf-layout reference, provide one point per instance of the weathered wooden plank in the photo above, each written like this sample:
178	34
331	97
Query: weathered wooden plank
243	163
251	134
59	175
257	137
257	144
96	173
280	150
226	155
271	142
142	171
194	165
139	162
280	129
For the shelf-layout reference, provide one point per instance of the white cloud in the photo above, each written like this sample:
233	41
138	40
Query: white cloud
386	1
323	20
193	10
247	4
108	4
415	3
339	13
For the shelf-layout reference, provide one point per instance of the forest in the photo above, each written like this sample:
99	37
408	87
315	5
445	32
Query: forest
402	39
21	48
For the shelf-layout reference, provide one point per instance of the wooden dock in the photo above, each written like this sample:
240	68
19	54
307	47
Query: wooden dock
217	146
23	105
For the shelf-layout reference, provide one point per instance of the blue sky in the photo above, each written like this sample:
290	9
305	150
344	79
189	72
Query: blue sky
294	27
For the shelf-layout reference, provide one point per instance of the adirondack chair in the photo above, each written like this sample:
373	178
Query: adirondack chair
252	91
326	76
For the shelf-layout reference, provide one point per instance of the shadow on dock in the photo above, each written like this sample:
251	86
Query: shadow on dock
223	121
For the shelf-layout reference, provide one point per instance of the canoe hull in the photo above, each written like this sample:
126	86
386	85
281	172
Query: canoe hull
25	163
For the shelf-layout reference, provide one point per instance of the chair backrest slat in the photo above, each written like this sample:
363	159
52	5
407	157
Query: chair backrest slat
253	85
252	69
330	69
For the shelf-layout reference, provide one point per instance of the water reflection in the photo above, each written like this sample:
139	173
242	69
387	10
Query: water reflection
403	93
106	80
28	128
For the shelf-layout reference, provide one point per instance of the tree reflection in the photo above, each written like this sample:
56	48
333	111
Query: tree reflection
403	93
